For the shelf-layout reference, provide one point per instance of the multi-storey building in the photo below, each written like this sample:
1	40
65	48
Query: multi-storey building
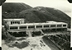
18	26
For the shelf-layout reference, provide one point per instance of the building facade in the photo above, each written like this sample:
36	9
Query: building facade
17	26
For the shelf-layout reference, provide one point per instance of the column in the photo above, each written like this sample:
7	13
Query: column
35	26
18	27
27	27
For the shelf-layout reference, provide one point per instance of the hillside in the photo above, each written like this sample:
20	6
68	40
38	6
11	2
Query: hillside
12	9
43	14
37	14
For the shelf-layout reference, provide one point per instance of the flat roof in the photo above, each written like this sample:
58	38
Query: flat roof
36	24
13	19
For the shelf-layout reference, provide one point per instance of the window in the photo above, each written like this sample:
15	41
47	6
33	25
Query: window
14	27
46	25
15	22
64	25
30	26
22	27
39	26
59	25
53	25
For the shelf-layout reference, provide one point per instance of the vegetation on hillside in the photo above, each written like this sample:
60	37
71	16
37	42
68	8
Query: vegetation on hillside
61	40
43	14
37	14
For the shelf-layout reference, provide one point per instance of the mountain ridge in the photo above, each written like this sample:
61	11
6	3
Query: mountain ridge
43	14
36	14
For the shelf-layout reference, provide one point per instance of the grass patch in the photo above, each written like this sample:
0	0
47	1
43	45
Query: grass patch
21	45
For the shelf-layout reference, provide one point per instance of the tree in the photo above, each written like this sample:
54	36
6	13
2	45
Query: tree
5	33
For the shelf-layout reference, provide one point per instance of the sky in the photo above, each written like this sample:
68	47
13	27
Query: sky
62	5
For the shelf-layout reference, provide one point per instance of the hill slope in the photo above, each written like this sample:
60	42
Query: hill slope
12	9
43	14
37	14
